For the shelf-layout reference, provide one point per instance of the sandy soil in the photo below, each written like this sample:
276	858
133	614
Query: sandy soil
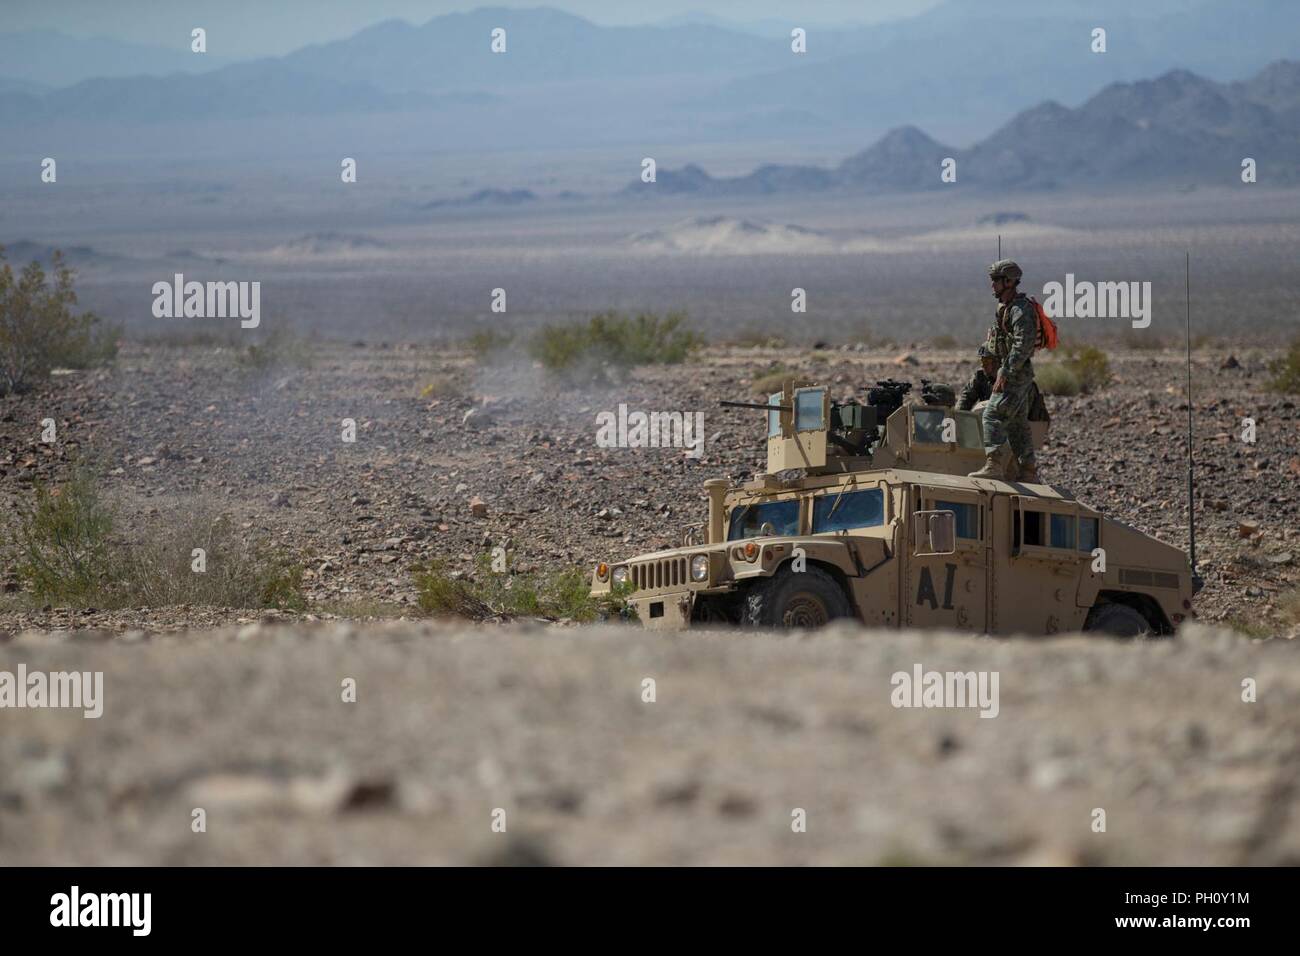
549	725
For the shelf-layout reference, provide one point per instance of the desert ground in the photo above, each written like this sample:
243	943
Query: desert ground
176	429
545	730
240	712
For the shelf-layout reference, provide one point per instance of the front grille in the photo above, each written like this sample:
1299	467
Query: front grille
663	573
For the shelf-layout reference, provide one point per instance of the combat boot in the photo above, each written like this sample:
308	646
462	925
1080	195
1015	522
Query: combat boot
995	464
1028	473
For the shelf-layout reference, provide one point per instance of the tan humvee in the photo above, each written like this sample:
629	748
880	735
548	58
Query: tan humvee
885	526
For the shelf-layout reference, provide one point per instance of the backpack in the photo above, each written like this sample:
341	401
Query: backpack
1047	338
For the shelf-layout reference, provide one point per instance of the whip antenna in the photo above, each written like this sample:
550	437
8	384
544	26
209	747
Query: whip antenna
1191	481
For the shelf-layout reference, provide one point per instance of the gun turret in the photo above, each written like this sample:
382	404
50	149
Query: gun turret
804	426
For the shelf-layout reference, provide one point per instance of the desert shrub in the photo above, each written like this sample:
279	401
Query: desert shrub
585	349
38	330
189	336
757	338
279	349
1055	378
1141	341
67	555
1289	605
771	381
1089	365
63	554
1252	628
1082	370
158	569
444	386
1286	370
488	342
944	341
488	594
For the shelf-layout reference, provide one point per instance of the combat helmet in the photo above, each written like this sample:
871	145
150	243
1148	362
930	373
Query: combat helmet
1006	269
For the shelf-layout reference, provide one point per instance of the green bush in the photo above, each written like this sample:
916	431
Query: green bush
488	342
1090	365
1055	378
609	340
38	330
1080	371
1286	371
494	594
771	381
158	569
68	556
63	550
279	349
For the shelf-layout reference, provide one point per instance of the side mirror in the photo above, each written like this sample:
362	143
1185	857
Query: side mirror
935	532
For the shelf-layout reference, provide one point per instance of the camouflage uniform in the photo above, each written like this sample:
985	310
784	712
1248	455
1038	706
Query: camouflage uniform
980	386
1006	416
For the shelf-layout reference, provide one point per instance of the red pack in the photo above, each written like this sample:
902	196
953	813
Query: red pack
1046	327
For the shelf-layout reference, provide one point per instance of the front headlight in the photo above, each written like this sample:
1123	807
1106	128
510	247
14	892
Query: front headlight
620	575
700	567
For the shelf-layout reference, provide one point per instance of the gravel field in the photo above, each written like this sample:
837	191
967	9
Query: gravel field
241	712
549	725
178	430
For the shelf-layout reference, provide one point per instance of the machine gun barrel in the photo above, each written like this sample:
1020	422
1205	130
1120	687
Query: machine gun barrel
770	408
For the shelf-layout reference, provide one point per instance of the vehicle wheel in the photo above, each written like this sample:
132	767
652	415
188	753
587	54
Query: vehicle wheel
806	599
1117	620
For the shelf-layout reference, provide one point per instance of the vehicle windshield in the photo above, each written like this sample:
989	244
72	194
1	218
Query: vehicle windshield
852	509
747	520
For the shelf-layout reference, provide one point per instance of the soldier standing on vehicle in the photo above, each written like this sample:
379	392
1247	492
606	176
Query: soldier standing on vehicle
980	386
1013	339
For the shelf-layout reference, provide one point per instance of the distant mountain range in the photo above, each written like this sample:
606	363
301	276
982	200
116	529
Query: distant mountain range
953	69
1179	127
48	59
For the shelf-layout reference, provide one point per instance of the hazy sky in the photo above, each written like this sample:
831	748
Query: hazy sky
260	27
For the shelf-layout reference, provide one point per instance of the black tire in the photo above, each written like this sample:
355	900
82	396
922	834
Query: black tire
1118	620
806	599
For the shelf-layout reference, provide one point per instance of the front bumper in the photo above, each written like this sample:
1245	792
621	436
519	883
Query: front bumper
669	611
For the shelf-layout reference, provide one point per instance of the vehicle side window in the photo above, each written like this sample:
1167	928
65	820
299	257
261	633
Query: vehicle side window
1087	534
968	517
1035	532
856	509
747	520
1063	531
